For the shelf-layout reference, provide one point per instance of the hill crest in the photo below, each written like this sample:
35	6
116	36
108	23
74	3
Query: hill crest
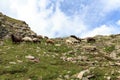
9	26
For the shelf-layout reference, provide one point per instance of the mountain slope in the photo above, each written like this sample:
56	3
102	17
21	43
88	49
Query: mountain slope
69	58
9	25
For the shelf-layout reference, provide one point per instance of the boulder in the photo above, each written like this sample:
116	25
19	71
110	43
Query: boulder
89	48
90	40
72	40
30	57
80	75
10	26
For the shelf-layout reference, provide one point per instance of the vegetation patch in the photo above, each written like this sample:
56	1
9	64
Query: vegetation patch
109	48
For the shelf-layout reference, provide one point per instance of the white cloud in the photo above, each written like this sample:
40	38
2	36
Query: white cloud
118	22
46	21
56	23
109	6
102	30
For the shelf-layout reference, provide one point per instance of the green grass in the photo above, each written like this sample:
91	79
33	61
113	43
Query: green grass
101	73
12	20
109	48
49	68
14	65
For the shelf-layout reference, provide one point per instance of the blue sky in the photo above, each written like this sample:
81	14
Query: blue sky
59	18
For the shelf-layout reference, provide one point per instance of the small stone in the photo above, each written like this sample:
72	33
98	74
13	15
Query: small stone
30	57
82	58
90	48
80	75
37	51
12	62
111	63
118	64
69	72
119	71
58	45
113	55
7	67
59	79
66	76
19	61
118	77
108	78
112	72
85	78
1	43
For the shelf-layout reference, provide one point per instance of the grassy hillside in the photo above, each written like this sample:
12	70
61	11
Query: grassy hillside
14	65
10	25
61	61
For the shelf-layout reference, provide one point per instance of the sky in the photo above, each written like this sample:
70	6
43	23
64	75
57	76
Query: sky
61	18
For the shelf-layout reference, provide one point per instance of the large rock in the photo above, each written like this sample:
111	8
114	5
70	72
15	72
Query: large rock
80	75
12	26
73	40
89	48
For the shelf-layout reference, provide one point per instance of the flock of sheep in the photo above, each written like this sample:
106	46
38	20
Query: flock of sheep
17	39
71	40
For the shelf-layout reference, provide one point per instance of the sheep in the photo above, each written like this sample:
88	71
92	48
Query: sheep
27	39
90	40
73	36
45	37
16	39
69	41
40	37
49	41
36	40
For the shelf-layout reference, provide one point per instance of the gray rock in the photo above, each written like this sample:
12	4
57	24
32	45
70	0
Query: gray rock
1	43
89	48
85	78
108	78
80	75
30	57
113	55
8	26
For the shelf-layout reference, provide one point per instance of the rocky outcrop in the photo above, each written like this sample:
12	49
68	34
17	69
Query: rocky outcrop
12	26
73	40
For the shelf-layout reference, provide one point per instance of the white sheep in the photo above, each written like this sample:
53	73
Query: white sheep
36	40
27	39
69	41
